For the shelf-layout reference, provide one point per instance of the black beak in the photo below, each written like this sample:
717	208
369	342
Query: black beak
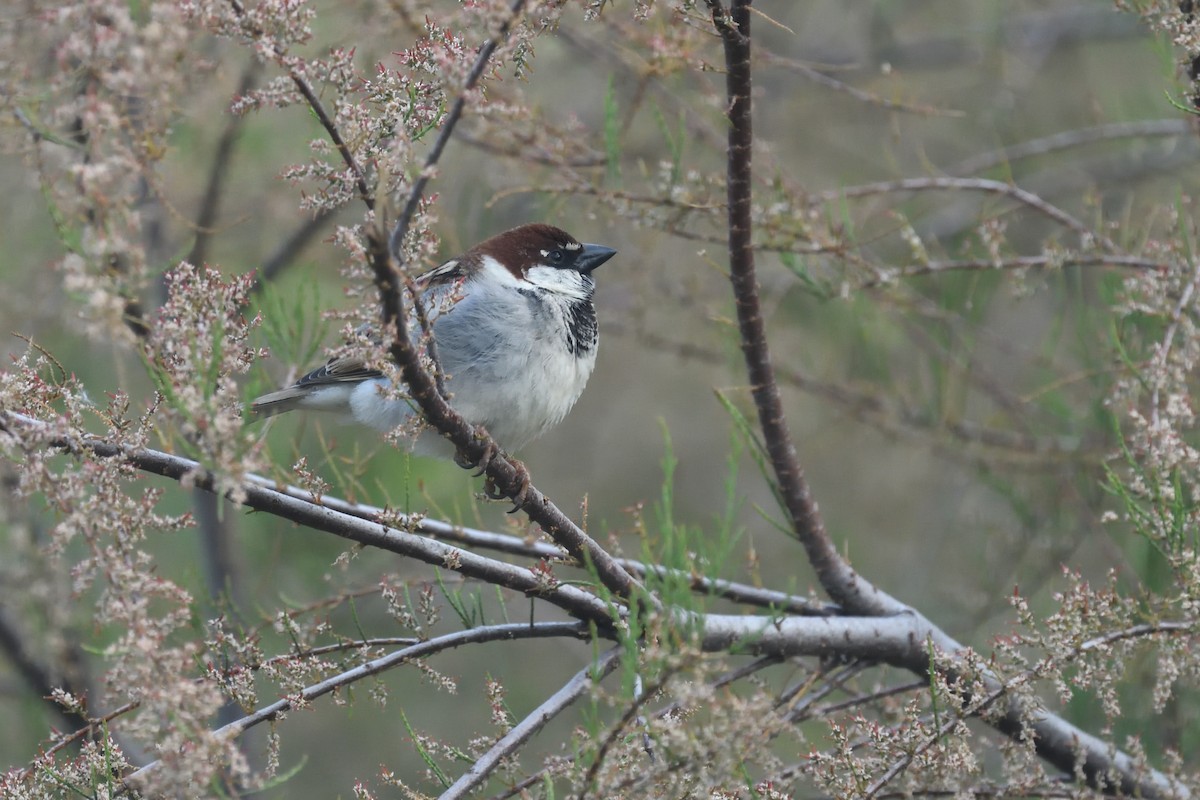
592	256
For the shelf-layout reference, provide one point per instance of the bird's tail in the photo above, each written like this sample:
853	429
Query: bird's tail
268	405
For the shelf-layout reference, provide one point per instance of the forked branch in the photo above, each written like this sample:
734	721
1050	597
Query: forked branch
1059	743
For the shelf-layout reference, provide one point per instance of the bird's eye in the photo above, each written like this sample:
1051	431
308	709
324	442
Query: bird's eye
556	256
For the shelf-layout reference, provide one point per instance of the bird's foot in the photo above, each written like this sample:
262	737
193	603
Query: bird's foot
480	465
490	451
491	490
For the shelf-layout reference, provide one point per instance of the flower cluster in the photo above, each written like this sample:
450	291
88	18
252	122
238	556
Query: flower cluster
199	342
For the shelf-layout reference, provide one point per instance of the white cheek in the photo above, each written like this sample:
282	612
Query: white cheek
561	281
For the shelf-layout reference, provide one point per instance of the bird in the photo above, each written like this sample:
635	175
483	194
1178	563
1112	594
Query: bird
515	331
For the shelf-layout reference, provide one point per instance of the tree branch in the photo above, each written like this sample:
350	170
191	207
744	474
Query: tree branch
1069	139
794	491
314	103
519	546
985	185
533	722
490	633
400	230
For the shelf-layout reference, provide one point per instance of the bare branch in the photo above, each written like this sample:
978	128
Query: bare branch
986	185
1070	139
305	512
519	546
1018	262
400	230
533	722
314	103
834	574
489	633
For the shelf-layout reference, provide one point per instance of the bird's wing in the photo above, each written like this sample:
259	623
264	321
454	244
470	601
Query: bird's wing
440	288
445	274
345	369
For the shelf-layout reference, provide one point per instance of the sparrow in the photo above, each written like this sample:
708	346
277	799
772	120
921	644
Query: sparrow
515	333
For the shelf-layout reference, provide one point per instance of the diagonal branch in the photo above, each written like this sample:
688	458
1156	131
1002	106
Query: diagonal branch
490	633
733	591
474	445
571	599
314	103
536	720
396	240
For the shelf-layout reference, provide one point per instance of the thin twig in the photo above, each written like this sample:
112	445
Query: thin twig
1057	261
940	184
93	724
870	98
1164	350
516	545
631	713
489	633
1070	139
400	230
314	103
533	722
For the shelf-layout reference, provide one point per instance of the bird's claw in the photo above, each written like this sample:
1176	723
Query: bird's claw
518	498
464	461
485	460
524	483
490	490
